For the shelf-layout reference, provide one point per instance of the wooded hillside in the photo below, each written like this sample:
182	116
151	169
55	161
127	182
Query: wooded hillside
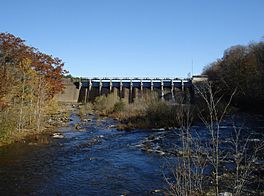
241	68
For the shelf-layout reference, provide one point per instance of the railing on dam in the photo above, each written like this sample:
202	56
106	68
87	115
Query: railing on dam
134	82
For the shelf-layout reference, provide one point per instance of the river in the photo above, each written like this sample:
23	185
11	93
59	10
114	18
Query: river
97	159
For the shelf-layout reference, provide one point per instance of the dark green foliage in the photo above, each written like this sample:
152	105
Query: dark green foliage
68	76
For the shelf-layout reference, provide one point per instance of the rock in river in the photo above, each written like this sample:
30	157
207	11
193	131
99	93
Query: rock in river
57	135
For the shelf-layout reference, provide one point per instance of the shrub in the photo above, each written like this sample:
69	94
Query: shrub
119	106
86	108
105	104
7	124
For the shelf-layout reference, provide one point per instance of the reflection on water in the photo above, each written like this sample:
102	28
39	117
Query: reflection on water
95	160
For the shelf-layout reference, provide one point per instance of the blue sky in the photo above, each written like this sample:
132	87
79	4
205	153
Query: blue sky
134	38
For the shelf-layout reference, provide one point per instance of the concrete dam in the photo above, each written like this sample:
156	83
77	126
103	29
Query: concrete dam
87	89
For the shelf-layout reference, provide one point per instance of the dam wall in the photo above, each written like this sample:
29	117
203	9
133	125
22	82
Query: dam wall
70	93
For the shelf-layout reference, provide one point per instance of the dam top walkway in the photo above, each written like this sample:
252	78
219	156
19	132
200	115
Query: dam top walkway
136	82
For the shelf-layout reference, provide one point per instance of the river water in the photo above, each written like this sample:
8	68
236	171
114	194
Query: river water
95	160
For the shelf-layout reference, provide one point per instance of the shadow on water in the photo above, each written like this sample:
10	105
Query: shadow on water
94	160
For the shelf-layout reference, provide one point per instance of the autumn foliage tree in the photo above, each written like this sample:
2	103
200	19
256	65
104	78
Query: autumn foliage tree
29	79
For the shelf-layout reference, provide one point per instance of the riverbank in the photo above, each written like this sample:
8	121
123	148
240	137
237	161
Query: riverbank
52	123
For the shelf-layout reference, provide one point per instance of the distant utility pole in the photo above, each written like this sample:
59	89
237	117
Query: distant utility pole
192	67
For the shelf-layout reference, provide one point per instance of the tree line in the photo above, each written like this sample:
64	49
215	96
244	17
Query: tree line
29	80
242	69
